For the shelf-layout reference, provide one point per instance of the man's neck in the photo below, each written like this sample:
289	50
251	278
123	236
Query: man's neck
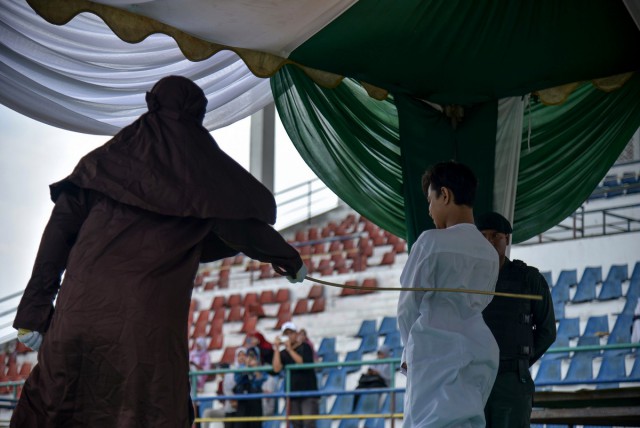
459	214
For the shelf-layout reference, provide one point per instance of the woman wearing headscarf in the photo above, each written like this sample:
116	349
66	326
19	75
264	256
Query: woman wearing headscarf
250	383
199	359
129	227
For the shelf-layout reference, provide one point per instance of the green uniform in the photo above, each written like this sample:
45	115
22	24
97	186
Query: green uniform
524	330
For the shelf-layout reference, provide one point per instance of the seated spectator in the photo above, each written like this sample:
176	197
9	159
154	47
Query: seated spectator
199	360
250	383
256	338
229	383
376	375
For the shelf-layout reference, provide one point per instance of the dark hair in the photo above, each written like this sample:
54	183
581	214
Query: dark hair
455	176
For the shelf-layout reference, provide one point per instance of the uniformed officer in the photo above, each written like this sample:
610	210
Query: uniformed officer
524	329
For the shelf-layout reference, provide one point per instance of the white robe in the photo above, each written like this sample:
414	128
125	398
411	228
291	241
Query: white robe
451	355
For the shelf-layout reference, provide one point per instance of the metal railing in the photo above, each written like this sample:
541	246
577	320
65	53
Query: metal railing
591	223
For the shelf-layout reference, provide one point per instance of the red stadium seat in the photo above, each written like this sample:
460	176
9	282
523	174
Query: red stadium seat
315	292
267	297
302	307
318	306
282	295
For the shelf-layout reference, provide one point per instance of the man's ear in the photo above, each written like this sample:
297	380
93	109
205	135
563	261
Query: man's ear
448	195
508	238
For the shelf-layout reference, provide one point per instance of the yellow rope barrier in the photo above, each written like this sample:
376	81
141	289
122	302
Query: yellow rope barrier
301	417
448	290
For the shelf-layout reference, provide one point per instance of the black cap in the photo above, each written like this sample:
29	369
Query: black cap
493	221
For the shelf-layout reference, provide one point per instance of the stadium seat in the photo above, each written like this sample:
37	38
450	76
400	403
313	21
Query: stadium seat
267	297
282	295
367	327
568	327
549	372
316	291
368	404
353	356
217	303
282	318
388	259
560	291
234	300
586	290
235	314
336	379
634	375
369	283
388	325
350	291
398	403
558	310
302	307
612	185
612	286
588	341
284	308
547	277
597	326
369	343
250	299
392	340
216	342
318	306
580	369
560	342
229	355
621	333
216	326
249	325
612	369
327	345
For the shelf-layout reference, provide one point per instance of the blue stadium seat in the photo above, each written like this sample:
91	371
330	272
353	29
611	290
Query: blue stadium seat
393	340
612	369
586	290
634	375
367	327
398	404
368	404
588	341
336	380
369	343
561	342
558	310
630	305
353	356
344	406
634	284
328	345
580	369
560	291
621	333
388	325
568	327
549	372
597	325
613	186
612	285
547	277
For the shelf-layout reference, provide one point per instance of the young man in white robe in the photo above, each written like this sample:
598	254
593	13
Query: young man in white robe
450	356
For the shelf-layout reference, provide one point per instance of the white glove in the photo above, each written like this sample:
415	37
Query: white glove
32	339
302	272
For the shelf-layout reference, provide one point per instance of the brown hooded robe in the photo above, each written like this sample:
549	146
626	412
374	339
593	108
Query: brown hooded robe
128	229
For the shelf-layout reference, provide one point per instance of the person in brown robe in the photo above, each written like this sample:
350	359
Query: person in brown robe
129	227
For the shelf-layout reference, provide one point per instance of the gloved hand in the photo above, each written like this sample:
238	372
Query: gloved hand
302	272
32	339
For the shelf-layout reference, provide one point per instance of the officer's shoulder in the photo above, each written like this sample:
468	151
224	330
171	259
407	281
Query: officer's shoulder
519	264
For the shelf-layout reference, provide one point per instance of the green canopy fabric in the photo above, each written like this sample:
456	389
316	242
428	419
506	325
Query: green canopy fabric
365	163
572	147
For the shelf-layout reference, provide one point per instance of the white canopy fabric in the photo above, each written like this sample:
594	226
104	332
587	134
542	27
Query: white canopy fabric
82	77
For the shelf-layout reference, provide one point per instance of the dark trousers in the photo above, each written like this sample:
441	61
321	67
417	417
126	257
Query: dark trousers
510	401
304	406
